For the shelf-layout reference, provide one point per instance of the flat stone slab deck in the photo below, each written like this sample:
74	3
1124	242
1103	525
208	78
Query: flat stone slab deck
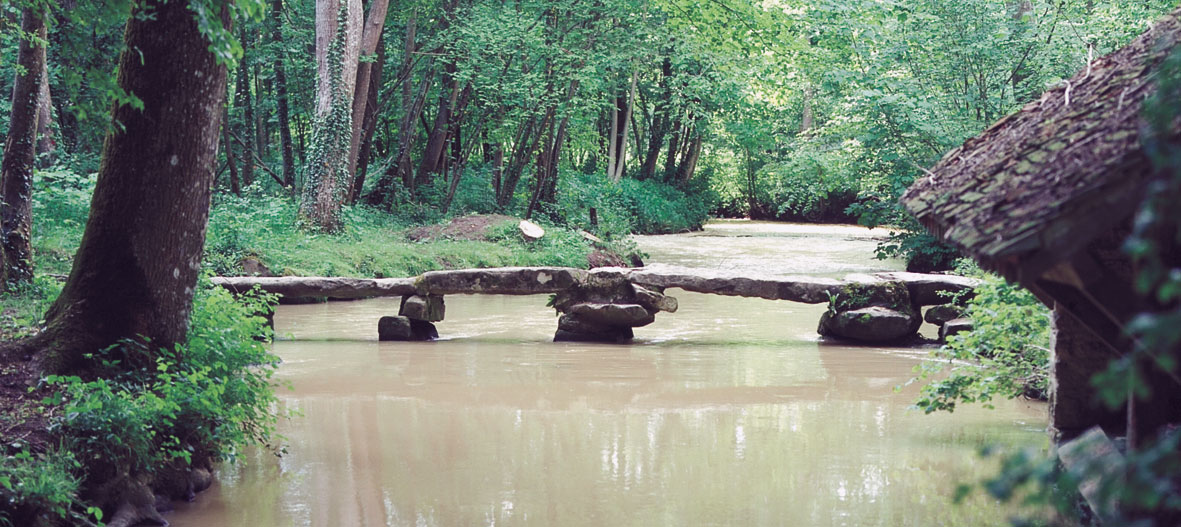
925	289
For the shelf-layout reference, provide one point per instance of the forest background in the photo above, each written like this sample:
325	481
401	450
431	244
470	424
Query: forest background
654	114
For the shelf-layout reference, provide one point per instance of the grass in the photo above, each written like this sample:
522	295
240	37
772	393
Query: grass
373	244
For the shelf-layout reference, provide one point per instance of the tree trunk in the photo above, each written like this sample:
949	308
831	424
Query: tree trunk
243	101
136	268
442	129
689	163
20	154
621	162
368	125
806	121
370	39
46	145
281	98
231	163
674	144
400	166
328	182
660	121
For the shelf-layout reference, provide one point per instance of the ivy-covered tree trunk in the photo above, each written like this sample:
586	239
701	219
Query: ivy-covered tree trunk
20	154
327	173
136	269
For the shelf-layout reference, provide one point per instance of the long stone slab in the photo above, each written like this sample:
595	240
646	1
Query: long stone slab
805	289
925	289
932	289
500	281
320	287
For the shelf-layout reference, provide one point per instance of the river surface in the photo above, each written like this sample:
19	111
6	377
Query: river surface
729	412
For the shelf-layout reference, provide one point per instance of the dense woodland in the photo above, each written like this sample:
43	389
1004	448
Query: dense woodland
778	110
321	130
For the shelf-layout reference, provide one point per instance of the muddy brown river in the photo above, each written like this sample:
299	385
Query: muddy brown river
728	412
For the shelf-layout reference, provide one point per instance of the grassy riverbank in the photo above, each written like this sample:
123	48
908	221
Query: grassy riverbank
378	243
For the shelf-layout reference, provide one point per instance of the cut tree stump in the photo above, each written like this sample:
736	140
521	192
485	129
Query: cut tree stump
531	231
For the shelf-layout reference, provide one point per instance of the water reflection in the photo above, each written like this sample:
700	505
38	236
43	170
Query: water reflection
729	412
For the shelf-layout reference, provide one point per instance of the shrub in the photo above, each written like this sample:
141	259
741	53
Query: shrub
631	206
1005	355
38	489
21	306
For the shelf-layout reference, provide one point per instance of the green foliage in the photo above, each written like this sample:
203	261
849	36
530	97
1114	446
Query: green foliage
1006	354
38	489
21	307
922	251
61	205
151	408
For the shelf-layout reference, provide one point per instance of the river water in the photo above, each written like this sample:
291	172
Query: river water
728	412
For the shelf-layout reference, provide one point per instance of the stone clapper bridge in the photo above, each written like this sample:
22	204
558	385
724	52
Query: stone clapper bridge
604	304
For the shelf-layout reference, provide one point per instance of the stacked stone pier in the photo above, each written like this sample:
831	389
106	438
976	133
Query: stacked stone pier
606	304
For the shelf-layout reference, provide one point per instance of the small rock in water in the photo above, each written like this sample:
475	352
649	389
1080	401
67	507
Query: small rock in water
955	327
870	324
405	329
940	314
429	308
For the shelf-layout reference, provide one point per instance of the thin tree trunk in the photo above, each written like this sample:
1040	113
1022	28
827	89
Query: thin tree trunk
281	98
368	125
689	163
459	165
612	142
542	170
660	119
806	121
136	269
670	160
242	100
235	185
524	150
46	145
621	161
20	154
400	166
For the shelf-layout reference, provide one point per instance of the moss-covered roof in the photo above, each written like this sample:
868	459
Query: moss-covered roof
1043	182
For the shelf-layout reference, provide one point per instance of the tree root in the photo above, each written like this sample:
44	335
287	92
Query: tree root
138	505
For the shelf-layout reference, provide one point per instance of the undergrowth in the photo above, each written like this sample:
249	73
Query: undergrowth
148	415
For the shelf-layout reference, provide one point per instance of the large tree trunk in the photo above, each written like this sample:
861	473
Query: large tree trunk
281	98
136	269
20	154
328	182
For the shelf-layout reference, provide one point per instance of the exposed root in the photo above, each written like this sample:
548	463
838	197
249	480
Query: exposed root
138	506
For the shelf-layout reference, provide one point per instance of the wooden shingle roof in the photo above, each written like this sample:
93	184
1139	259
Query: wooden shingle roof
1041	183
